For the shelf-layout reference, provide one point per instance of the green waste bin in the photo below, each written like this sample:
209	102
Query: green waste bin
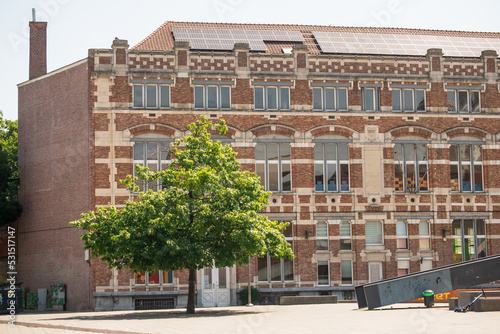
428	298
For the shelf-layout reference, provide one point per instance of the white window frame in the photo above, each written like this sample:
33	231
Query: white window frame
157	85
375	88
322	237
328	273
381	243
401	90
144	162
423	236
282	102
472	164
338	167
456	91
269	277
280	163
416	168
342	276
161	273
345	237
220	89
460	238
402	236
403	265
337	89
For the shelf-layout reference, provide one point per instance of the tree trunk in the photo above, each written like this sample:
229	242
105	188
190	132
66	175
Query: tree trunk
191	292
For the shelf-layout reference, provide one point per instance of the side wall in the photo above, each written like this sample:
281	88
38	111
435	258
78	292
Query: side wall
54	159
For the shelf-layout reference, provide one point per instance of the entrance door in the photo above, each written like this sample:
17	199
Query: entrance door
215	290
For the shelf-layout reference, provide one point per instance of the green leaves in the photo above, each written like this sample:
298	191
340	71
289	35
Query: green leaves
208	212
10	208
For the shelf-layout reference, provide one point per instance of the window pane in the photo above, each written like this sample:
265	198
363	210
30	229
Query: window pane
456	227
343	152
288	269
424	243
345	229
410	176
165	96
288	233
420	99
322	230
323	273
477	153
332	177
275	269
140	278
422	178
399	181
272	151
318	151
138	101
452	105
346	272
345	244
259	97
481	247
330	98
272	98
468	227
273	177
421	152
410	151
465	152
319	177
322	244
478	178
463	100
199	98
454	152
369	99
396	99
373	231
260	170
344	177
285	151
222	278
331	151
466	178
401	229
317	98
474	100
167	277
286	177
212	97
480	227
260	151
262	267
151	96
423	228
139	151
154	278
284	98
342	96
225	97
408	99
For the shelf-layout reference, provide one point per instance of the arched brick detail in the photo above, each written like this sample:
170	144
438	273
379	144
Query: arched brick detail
146	128
338	131
472	132
229	133
416	131
267	130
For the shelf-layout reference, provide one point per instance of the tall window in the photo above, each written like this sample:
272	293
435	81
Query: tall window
411	167
156	155
330	98
323	273
370	98
424	232
151	95
466	168
374	233
272	269
322	236
408	99
469	239
331	166
402	234
346	272
345	235
151	278
272	97
212	97
273	164
464	100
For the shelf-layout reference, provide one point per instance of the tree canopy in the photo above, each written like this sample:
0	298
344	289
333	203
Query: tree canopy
10	208
206	213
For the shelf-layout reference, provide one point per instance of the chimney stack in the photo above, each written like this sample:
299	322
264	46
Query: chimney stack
38	48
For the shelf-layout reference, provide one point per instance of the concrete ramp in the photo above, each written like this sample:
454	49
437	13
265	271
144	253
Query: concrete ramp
443	279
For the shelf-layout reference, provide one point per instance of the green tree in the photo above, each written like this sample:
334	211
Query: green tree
10	208
207	213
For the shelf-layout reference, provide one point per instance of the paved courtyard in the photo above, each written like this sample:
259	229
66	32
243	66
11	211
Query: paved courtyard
326	318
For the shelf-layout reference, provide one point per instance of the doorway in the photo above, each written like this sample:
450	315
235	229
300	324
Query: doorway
215	288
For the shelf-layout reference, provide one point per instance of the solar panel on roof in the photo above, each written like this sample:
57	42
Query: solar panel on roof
371	43
224	39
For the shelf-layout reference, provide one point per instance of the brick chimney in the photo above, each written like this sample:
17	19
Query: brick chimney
38	49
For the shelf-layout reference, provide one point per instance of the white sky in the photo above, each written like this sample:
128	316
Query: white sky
74	26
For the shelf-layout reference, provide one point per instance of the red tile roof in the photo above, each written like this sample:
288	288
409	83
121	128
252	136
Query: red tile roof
162	39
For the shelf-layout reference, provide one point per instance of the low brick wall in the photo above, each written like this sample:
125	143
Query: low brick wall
296	300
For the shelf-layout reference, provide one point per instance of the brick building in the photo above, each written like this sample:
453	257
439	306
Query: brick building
380	147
